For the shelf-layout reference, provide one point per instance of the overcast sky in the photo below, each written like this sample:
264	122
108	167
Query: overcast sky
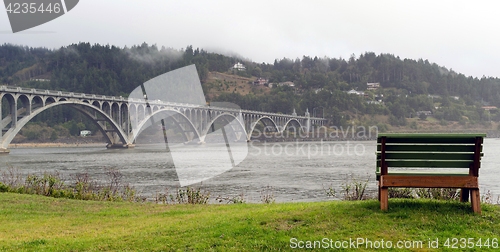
460	35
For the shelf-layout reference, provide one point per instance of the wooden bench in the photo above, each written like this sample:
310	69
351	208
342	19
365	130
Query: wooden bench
422	155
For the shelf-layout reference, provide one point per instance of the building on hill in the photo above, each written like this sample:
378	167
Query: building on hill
427	113
85	133
372	86
287	83
238	66
260	81
352	91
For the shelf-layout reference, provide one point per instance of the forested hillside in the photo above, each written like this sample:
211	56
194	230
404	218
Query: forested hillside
318	82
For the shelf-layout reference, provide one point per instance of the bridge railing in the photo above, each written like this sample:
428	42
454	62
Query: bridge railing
136	100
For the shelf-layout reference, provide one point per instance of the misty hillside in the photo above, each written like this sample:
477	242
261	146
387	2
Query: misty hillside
406	85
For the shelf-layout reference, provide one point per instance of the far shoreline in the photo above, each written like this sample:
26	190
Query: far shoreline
54	145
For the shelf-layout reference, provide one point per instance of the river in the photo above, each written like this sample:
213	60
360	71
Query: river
290	171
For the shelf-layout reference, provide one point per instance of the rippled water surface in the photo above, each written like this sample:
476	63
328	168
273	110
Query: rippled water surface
295	171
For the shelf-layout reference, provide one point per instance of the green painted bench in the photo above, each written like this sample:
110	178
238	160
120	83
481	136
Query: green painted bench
419	158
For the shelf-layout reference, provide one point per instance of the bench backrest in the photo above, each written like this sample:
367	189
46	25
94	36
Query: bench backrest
429	151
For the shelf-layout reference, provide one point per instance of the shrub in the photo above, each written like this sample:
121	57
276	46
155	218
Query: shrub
267	195
422	116
190	196
402	193
234	200
352	189
53	136
438	193
83	187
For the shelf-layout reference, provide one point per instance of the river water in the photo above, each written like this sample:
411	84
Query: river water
290	171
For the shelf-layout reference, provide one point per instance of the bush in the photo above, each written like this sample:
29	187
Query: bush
413	125
83	188
422	116
53	136
267	195
190	196
438	193
352	189
402	193
32	135
382	127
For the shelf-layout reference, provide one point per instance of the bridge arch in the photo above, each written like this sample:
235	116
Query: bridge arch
224	117
265	120
159	115
12	132
293	122
49	100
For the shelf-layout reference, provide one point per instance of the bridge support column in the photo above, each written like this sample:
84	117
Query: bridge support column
4	151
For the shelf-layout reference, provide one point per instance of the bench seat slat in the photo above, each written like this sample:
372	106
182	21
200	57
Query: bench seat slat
427	156
433	140
422	173
429	181
432	135
427	163
430	148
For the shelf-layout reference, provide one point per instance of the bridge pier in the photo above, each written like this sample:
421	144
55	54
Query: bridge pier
4	151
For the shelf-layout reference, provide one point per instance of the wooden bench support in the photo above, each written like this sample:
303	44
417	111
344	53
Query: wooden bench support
428	181
475	201
464	195
384	198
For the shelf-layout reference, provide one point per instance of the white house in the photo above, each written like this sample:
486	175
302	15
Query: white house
85	133
372	86
238	66
352	91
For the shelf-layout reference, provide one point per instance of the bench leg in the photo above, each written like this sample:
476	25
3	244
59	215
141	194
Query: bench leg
384	197
378	192
464	195
475	201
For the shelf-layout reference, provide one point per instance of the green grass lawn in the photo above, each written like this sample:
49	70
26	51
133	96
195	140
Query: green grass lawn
37	223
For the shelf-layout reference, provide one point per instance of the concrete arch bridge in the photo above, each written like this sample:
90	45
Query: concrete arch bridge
121	120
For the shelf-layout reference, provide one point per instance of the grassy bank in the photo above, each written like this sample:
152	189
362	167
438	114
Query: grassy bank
37	223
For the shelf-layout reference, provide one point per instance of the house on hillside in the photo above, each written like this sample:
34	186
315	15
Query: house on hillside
238	66
85	133
287	83
372	86
359	93
260	82
427	113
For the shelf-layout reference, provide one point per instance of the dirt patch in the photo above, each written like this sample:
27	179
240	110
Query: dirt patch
219	83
